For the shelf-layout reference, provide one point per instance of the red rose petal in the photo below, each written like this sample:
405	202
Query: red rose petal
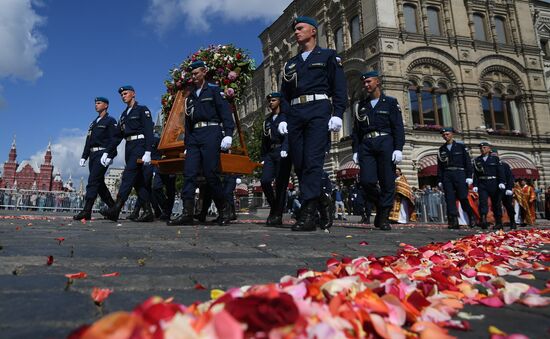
49	262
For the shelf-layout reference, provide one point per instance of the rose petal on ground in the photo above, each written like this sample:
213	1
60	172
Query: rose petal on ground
79	275
107	275
100	294
492	302
60	240
199	286
49	261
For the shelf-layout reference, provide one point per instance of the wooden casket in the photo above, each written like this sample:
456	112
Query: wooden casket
172	145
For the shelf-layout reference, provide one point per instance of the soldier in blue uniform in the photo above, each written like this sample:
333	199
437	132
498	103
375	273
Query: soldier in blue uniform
489	180
377	142
273	153
101	133
454	173
136	127
208	128
310	79
508	197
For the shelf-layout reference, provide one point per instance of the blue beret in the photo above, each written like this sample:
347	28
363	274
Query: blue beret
370	74
196	64
306	20
102	99
274	95
447	129
484	143
126	88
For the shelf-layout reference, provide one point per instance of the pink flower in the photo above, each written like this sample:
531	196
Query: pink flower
229	92
232	75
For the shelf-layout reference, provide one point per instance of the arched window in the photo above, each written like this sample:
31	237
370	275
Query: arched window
411	22
339	39
479	27
322	35
430	105
355	29
434	24
500	110
500	27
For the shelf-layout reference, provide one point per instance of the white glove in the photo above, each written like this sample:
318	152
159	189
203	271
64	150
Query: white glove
440	184
469	181
284	154
238	181
355	158
146	158
226	143
509	192
502	186
82	162
104	157
283	128
396	157
334	124
475	189
262	162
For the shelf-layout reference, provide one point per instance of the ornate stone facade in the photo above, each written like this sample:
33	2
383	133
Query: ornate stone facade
478	66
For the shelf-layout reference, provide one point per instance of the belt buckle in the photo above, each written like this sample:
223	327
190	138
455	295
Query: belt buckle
302	99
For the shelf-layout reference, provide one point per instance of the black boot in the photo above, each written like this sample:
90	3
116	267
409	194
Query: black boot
233	212
109	201
512	223
483	222
186	217
383	220
135	213
452	220
325	212
86	212
269	221
306	222
113	212
498	223
471	220
224	211
147	215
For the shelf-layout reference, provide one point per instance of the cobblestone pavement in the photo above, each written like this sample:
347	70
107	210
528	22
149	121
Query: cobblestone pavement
154	259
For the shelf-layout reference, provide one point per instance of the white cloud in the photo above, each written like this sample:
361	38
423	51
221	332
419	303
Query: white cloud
66	153
197	15
20	40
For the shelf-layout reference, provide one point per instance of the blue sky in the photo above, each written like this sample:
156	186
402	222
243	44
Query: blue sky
58	55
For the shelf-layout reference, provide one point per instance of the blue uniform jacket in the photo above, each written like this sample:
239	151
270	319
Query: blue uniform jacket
384	117
508	175
137	121
271	135
320	73
101	134
458	156
209	106
490	168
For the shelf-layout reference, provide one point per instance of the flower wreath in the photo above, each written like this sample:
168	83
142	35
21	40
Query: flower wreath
229	67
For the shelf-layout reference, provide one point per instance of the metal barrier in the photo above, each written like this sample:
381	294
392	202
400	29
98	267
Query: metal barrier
430	206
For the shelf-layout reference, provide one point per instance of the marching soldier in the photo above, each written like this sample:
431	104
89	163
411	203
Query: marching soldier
101	133
208	119
274	154
489	180
136	126
310	79
454	174
377	142
507	198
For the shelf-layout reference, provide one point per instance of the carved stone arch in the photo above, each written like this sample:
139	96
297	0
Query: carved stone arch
485	87
354	64
446	70
428	78
414	78
514	77
500	86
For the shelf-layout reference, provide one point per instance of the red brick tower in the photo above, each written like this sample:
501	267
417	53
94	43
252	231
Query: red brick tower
10	167
46	172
